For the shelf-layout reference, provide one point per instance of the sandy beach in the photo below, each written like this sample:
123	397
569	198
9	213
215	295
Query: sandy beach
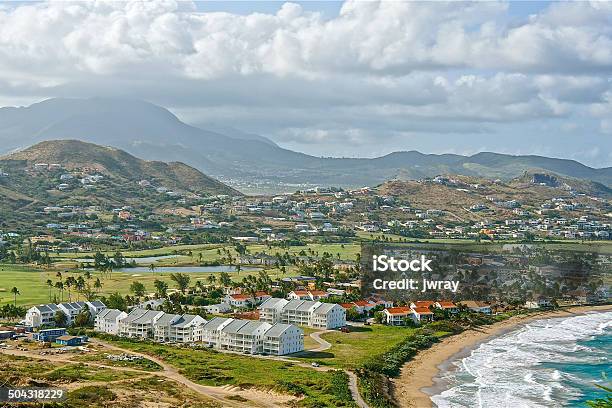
419	373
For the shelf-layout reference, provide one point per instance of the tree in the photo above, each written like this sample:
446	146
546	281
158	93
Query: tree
60	286
68	283
116	301
152	267
352	314
80	285
15	292
161	288
138	288
83	318
182	280
50	285
379	317
60	319
225	279
97	285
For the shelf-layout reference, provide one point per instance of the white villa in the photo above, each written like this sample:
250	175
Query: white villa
397	316
37	316
252	336
107	321
139	323
178	328
303	313
159	326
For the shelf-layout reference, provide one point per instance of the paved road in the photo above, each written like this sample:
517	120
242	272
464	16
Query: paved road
355	390
324	345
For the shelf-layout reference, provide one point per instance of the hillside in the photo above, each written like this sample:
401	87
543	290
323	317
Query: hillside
69	172
456	194
243	159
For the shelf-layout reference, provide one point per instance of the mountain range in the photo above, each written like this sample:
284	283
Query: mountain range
154	133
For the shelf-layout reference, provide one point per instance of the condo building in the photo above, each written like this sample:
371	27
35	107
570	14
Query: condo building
40	315
303	313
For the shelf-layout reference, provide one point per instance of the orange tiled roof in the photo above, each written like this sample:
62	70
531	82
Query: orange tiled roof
423	303
422	310
399	310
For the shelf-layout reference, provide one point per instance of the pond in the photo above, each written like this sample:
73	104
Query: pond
145	259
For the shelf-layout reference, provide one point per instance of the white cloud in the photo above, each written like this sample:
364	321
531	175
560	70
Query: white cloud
395	70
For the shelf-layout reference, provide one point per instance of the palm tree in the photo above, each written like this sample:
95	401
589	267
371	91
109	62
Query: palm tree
50	285
152	268
69	283
181	280
161	288
15	292
97	285
199	286
60	285
79	285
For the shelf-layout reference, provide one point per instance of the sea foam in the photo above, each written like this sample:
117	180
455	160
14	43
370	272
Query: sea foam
542	364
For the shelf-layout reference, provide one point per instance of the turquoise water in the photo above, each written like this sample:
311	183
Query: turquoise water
547	363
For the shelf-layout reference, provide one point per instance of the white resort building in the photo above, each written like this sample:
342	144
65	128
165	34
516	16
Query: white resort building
107	321
303	313
243	336
253	336
40	315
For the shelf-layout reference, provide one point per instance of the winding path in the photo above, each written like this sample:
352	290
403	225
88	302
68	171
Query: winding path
220	394
353	387
323	344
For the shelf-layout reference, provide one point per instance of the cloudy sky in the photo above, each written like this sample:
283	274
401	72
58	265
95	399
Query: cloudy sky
335	79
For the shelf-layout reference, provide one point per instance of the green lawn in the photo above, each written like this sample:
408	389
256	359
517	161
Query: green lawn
34	290
209	367
350	350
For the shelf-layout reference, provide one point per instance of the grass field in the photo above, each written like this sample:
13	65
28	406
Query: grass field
209	367
34	290
350	350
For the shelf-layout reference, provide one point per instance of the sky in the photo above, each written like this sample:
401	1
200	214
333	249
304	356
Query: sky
344	79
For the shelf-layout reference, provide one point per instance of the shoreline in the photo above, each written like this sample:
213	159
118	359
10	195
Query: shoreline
420	373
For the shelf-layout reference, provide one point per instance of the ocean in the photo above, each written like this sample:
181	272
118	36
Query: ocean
545	363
